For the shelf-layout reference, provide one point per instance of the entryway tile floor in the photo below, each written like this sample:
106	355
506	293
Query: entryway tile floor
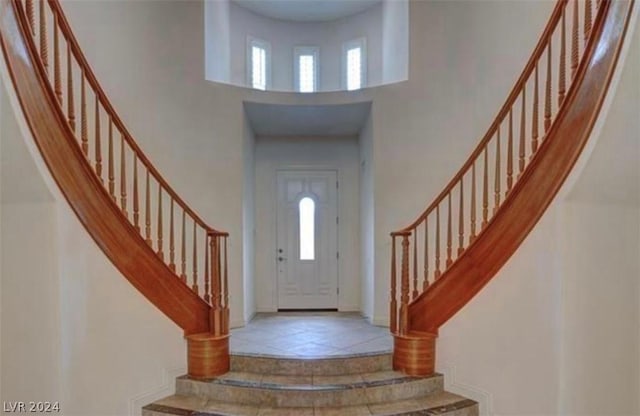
310	335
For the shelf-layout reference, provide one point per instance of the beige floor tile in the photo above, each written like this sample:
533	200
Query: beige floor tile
309	335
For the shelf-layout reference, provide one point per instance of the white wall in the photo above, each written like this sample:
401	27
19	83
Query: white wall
116	347
285	35
425	128
601	242
153	71
1	164
248	220
74	330
367	220
395	41
502	349
30	282
29	278
601	334
564	311
308	153
217	41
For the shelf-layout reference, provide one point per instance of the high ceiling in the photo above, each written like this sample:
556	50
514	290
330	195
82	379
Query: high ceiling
307	10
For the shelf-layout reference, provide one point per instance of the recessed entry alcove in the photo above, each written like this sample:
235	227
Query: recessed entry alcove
306	45
308	177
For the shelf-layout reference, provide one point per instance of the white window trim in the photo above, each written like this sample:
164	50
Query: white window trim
253	41
306	50
358	42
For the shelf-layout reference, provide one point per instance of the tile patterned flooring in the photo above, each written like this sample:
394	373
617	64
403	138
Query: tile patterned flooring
310	335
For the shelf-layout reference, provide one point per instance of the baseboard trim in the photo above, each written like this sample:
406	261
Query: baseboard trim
349	308
166	387
452	384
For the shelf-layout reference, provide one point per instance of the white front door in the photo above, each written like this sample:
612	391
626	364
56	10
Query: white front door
307	237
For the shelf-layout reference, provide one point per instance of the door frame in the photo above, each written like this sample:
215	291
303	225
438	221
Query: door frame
305	168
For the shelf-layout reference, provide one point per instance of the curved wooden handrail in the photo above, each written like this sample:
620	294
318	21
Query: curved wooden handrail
508	104
104	100
527	200
197	303
543	180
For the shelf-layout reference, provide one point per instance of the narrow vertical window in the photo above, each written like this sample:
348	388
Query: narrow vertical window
258	68
307	73
258	61
306	211
306	69
354	72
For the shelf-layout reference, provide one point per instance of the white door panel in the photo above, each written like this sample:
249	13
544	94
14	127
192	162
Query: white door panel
307	283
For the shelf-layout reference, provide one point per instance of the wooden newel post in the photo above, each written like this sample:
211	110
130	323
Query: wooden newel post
413	354
225	277
207	270
209	352
404	284
393	307
215	320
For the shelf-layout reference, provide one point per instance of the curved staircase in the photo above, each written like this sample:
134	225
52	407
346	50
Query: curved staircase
441	260
174	258
438	263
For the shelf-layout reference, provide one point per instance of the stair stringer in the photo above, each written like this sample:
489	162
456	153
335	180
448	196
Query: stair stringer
541	181
82	189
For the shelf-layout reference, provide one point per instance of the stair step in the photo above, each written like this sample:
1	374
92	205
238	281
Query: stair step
440	403
358	385
310	391
352	364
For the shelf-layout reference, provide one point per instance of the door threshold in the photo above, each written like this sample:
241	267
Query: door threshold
309	310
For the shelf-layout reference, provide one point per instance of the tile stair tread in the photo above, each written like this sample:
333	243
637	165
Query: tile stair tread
311	383
320	357
355	364
440	403
314	358
338	355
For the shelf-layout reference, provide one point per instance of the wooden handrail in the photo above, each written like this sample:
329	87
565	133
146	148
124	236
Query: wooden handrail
541	183
59	121
104	100
479	255
513	95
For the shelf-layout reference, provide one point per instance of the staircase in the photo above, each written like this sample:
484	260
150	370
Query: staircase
458	244
356	385
154	238
438	262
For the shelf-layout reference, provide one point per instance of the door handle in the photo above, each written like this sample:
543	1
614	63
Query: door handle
281	258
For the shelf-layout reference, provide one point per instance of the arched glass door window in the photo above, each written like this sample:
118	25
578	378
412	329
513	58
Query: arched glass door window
306	211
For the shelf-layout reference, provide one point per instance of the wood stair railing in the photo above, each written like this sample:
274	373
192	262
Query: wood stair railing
149	233
462	239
